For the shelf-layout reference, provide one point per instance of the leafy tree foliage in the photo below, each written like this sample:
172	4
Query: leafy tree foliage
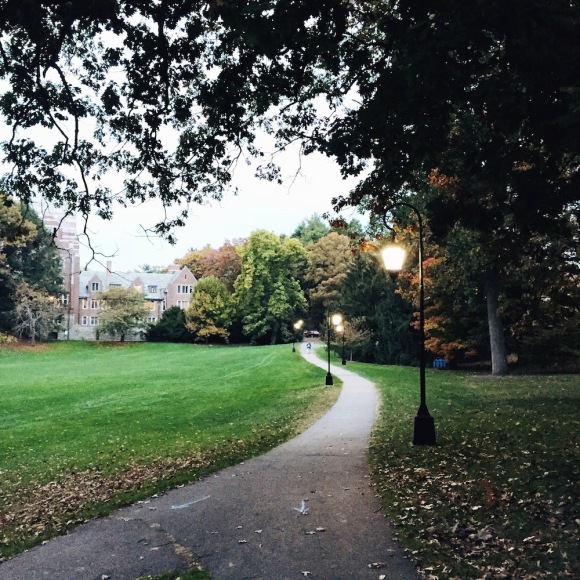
311	230
267	292
170	327
474	106
195	260
330	260
210	312
223	263
378	318
27	256
123	310
36	313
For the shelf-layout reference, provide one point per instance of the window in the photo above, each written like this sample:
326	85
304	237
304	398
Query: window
183	304
138	287
94	304
152	289
64	299
85	303
95	286
181	289
94	320
85	320
152	319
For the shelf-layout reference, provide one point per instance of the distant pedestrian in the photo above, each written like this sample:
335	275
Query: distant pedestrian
308	346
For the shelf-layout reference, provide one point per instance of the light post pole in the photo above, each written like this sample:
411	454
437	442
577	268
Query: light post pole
340	329
393	257
335	320
297	326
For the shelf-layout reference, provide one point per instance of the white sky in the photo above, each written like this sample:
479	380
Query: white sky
259	205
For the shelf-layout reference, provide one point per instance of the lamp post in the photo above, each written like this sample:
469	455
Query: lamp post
393	257
297	326
340	329
335	320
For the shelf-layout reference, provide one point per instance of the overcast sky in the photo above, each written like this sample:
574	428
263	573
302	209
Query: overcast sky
260	205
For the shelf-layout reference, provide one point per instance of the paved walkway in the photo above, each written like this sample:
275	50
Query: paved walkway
305	509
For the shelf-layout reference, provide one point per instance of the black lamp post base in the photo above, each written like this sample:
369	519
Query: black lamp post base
329	379
343	361
424	431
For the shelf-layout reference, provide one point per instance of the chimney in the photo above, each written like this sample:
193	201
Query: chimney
173	268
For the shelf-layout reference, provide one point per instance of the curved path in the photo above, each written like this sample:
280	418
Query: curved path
305	509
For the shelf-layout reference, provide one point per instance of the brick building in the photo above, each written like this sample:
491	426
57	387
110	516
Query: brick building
82	287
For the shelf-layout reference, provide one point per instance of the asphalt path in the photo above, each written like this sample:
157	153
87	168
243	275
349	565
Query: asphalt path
305	509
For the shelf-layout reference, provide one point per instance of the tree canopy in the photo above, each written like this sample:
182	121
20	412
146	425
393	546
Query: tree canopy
124	310
469	109
487	90
27	256
267	292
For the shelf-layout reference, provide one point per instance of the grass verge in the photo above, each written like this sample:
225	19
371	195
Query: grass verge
88	427
497	497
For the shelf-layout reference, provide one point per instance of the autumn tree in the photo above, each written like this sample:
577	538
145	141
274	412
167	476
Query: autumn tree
27	256
329	261
483	93
195	260
123	310
267	292
36	313
210	311
224	263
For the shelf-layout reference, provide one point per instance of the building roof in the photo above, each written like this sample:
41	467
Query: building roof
128	279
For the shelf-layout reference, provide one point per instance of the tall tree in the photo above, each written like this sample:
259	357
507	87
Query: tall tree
379	316
27	255
224	263
311	230
195	260
36	313
123	310
210	311
267	291
329	261
486	93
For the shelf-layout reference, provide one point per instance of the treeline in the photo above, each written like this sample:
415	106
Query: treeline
254	290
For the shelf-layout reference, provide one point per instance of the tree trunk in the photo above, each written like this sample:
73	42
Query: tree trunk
499	365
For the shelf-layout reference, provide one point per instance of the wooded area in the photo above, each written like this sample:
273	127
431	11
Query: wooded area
469	110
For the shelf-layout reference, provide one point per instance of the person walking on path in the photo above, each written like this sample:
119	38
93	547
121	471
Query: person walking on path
304	509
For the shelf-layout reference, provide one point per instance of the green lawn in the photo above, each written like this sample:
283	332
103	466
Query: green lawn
88	426
497	497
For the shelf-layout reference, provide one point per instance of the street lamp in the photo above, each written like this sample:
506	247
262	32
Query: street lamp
297	326
393	258
340	329
335	320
